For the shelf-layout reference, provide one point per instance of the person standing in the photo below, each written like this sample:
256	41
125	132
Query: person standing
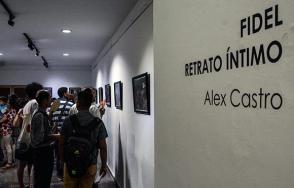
24	138
58	118
6	131
42	142
3	108
82	135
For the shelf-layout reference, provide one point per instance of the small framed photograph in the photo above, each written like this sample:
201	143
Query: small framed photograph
108	95
49	89
100	91
75	90
95	95
118	95
141	93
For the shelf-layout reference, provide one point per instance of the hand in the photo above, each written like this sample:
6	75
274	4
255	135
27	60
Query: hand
102	111
20	112
54	106
103	171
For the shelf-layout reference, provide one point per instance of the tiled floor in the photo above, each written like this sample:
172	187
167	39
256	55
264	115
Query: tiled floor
8	179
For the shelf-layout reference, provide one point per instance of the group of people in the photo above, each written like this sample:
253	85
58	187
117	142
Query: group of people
40	131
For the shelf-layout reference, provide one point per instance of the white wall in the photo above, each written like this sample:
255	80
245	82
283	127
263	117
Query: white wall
201	146
131	135
55	78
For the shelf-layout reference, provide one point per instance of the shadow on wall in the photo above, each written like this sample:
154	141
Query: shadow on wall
119	171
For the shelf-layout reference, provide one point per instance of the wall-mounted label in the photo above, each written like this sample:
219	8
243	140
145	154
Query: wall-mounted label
253	56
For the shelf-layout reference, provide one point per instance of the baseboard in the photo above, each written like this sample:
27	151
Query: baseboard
114	179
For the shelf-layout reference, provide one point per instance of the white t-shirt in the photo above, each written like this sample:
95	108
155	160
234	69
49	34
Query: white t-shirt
94	110
28	112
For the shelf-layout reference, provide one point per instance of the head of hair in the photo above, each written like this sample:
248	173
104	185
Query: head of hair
13	101
42	95
85	98
32	89
21	102
3	99
61	91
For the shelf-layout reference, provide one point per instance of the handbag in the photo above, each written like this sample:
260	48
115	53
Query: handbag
23	152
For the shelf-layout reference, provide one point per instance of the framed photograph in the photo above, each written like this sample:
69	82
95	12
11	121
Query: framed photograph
118	95
74	91
100	91
108	95
95	95
141	93
49	89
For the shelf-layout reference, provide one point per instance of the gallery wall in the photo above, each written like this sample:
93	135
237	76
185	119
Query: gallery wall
202	140
53	77
131	135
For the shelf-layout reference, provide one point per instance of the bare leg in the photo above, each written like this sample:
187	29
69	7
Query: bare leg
29	174
20	172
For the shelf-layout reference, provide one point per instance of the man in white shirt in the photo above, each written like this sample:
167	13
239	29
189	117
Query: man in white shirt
24	136
95	110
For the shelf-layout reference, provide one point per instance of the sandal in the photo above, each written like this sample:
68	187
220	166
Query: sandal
8	166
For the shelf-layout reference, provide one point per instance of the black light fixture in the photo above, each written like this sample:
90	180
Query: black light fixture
9	12
45	63
37	52
31	44
31	47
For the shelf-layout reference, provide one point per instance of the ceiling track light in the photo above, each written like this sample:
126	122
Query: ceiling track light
31	47
31	44
9	12
45	63
37	52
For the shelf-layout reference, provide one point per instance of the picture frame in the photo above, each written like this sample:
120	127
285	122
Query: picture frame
118	95
141	93
49	89
75	90
96	95
100	92
108	95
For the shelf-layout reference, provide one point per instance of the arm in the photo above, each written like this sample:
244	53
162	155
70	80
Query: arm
38	130
18	119
103	156
4	119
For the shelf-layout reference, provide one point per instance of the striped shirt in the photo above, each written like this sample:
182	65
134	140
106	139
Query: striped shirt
62	112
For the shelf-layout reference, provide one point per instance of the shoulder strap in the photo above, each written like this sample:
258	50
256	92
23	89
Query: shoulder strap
39	111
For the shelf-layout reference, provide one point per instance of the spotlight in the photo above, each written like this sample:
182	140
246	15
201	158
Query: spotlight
45	63
9	12
11	22
37	52
31	46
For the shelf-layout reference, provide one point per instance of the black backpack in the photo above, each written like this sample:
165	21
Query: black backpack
79	147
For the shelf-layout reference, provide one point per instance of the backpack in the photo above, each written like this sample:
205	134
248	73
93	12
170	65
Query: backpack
79	147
